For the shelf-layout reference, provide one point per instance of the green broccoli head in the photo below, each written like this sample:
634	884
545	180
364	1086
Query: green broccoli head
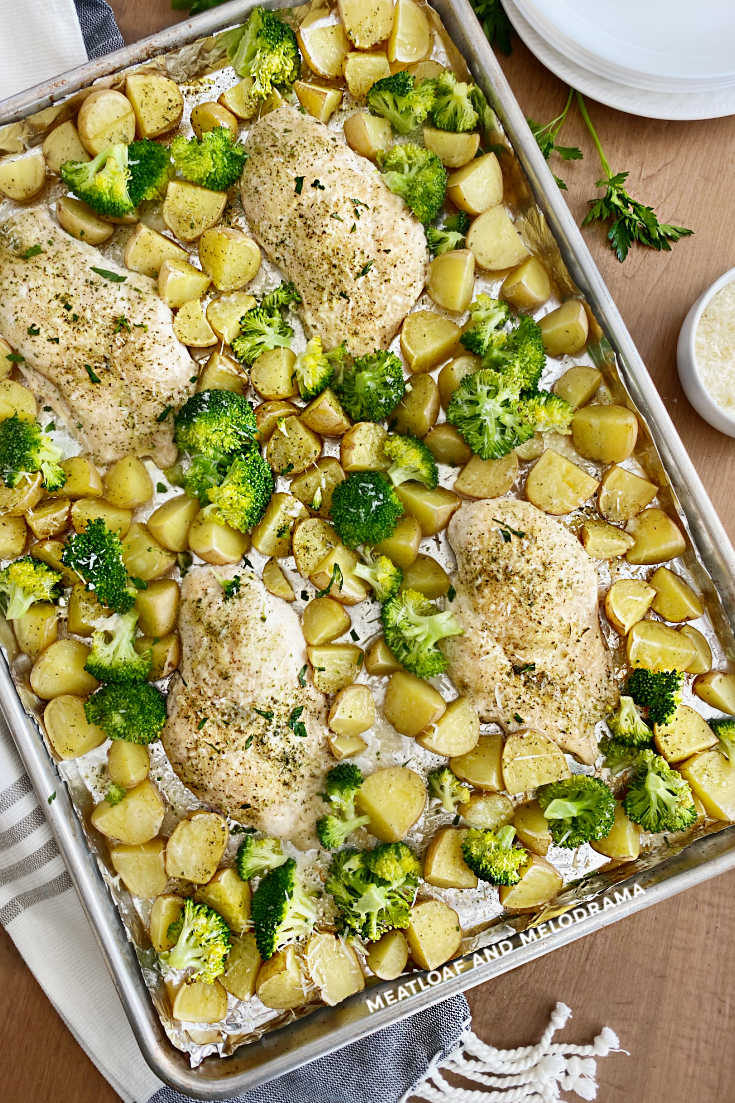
281	297
202	473
365	508
260	331
115	793
96	554
256	856
550	412
241	499
25	582
202	945
411	460
265	49
418	176
522	356
491	855
313	369
618	757
215	161
628	726
113	657
26	449
215	423
442	239
102	183
657	691
724	729
446	787
340	790
658	797
400	100
135	713
372	387
412	627
282	911
453	108
484	333
382	574
373	890
490	415
579	809
149	170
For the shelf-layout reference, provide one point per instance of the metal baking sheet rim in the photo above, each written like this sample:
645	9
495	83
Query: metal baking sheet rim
331	1028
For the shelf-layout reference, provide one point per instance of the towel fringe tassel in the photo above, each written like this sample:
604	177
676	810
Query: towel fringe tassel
529	1074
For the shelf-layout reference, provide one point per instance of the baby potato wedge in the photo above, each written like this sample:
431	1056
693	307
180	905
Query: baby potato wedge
324	620
427	338
63	144
427	576
325	415
189	210
367	134
623	495
229	895
334	665
362	70
59	669
225	311
345	746
276	582
68	729
531	759
380	660
411	705
229	256
623	841
292	447
281	982
494	240
272	375
222	373
394	799
323	43
367	24
313	539
717	688
241	967
527	287
165	910
480	766
487	478
565	330
146	251
318	101
143	555
434	934
432	509
16	399
141	867
605	433
447	446
199	1002
604	541
453	373
273	533
657	538
81	222
158	607
179	282
37	629
451	279
578	385
127	763
333	967
83	480
191	326
455	733
410	37
418	410
488	810
444	865
13	537
675	600
49	518
196	846
685	734
702	662
335	575
136	819
105	117
402	545
361	448
21	178
453	150
157	102
532	828
712	778
127	484
539	883
477	186
352	711
626	602
170	523
388	956
210	116
558	486
655	646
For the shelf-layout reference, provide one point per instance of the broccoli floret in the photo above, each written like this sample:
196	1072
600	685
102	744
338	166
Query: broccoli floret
241	499
372	387
486	117
265	49
373	889
113	657
724	729
491	855
382	574
202	945
442	239
260	331
215	162
25	582
96	554
258	856
550	412
657	691
418	176
102	183
313	369
365	508
447	788
135	713
412	460
618	757
453	108
522	356
149	170
400	100
341	788
115	793
658	797
282	911
201	474
412	627
628	726
579	809
26	449
215	423
281	297
490	415
484	334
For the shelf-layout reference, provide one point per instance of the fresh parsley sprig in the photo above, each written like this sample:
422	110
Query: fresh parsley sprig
546	138
495	23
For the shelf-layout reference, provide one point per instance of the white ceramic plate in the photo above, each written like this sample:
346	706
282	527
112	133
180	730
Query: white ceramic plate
636	101
674	42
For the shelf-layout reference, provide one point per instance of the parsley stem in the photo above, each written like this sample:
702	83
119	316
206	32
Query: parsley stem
593	134
556	124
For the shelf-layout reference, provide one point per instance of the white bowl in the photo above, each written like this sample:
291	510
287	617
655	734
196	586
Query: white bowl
686	359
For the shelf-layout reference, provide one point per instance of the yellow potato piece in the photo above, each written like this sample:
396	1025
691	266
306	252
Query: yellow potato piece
366	21
626	602
143	555
623	495
557	485
411	705
293	447
15	399
323	42
166	909
418	410
140	867
487	478
675	600
428	577
604	541
157	102
333	967
189	210
273	533
241	967
222	373
477	186
325	415
526	288
127	484
281	982
37	629
67	727
456	732
531	759
81	222
199	1002
60	670
605	433
276	582
196	846
453	373
402	545
380	660
191	325
105	118
362	70
313	539
702	661
210	116
447	446
480	766
335	575
685	734
490	810
657	538
127	763
432	509
434	934
345	746
388	956
712	778
146	251
170	523
13	536
394	799
717	688
239	99
63	144
451	280
367	134
577	386
352	711
179	282
230	896
565	330
410	37
225	311
135	819
444	864
318	101
49	518
655	646
494	240
453	150
427	339
532	828
623	842
324	620
334	665
539	883
229	256
158	607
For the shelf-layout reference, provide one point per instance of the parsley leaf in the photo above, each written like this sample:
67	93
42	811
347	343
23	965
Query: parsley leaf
337	578
495	23
93	377
113	277
296	724
31	251
547	134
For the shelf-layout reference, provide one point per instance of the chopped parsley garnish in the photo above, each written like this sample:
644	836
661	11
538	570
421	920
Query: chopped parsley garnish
161	488
507	532
318	184
164	413
299	184
113	277
296	724
33	330
201	724
337	578
93	377
121	324
15	358
31	251
231	587
365	269
302	675
267	714
139	583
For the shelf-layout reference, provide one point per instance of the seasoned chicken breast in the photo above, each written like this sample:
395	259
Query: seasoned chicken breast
103	352
324	216
243	733
531	655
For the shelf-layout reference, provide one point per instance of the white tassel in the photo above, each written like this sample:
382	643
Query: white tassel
529	1074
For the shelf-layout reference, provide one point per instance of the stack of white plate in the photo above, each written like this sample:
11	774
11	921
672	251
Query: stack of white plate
666	59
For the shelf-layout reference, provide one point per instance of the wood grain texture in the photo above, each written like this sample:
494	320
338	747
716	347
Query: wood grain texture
660	979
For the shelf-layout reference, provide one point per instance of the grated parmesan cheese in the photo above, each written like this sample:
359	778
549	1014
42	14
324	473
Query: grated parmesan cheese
714	346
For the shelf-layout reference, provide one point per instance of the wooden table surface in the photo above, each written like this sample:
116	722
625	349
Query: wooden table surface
662	978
